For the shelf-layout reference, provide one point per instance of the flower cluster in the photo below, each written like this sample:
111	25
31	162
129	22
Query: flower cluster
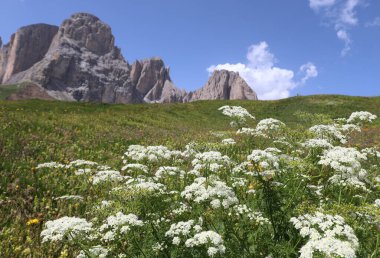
215	192
361	117
150	153
211	239
327	234
119	224
70	227
212	160
236	112
269	126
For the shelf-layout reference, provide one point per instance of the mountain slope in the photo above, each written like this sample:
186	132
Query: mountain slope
79	61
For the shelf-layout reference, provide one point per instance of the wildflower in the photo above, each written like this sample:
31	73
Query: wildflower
31	222
215	192
242	210
328	132
360	117
95	251
228	141
211	239
70	227
327	234
130	168
265	159
212	160
50	165
150	153
317	143
106	175
169	171
269	126
80	162
119	224
236	112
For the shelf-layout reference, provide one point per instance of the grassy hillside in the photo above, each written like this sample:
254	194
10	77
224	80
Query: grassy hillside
43	130
34	132
7	90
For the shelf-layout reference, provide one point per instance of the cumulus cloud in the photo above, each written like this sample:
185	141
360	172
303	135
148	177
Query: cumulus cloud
341	14
261	74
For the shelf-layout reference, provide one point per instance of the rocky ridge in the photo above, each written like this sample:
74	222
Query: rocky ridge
79	61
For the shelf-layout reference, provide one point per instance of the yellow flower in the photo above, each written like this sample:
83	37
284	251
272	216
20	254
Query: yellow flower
32	222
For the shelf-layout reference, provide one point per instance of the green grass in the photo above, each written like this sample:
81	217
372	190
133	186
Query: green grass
7	90
34	131
37	131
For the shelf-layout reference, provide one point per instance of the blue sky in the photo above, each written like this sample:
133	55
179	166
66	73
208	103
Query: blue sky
293	47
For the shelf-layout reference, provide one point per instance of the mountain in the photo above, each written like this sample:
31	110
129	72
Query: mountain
79	61
225	85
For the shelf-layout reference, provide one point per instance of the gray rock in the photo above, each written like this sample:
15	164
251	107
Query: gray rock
223	85
79	62
26	47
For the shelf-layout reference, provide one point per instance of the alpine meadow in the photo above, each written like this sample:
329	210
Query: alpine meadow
201	179
189	129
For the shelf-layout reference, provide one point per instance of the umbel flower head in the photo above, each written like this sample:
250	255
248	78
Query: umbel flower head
70	227
327	234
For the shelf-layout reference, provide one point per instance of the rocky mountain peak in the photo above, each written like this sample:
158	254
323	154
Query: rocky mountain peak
26	47
224	84
79	62
89	32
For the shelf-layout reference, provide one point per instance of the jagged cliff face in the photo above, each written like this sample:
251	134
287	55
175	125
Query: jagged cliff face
26	47
223	85
79	61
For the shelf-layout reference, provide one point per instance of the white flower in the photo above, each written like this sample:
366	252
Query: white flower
50	165
228	141
236	112
165	171
212	160
217	193
361	116
208	238
329	132
146	185
96	251
56	230
244	211
317	143
120	223
266	159
81	162
248	131
107	175
130	168
346	162
327	234
151	154
377	203
82	171
269	125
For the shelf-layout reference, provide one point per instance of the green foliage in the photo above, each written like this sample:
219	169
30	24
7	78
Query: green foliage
34	132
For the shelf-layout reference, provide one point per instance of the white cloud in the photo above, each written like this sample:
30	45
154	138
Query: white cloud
267	80
310	71
374	23
316	4
342	14
345	37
